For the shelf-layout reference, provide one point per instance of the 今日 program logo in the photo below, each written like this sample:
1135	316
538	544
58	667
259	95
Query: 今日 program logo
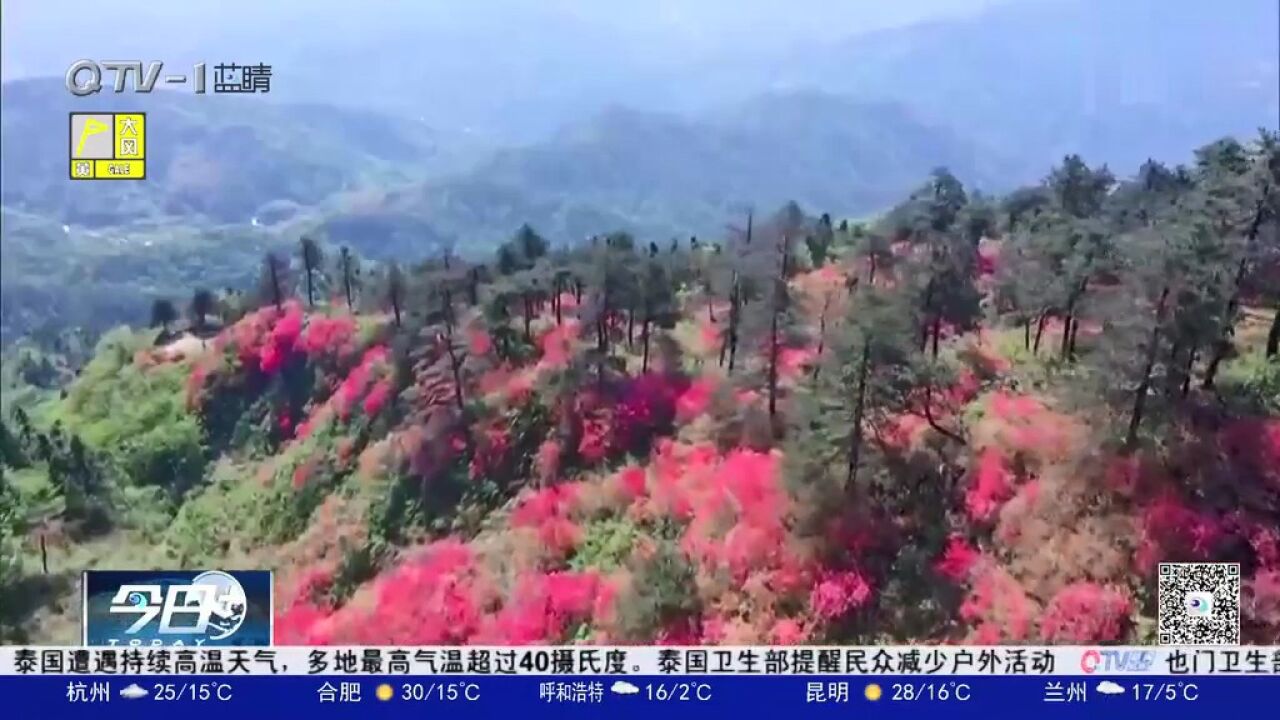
153	608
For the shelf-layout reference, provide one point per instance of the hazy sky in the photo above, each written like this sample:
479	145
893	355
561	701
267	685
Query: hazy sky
42	37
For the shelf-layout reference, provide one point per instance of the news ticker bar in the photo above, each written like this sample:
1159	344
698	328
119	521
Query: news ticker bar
322	697
648	661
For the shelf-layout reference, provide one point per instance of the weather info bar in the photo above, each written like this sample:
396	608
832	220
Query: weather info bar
626	682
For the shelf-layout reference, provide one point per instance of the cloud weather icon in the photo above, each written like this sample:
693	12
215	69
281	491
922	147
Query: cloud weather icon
134	692
622	687
1106	687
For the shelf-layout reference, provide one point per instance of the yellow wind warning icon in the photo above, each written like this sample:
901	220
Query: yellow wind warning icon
92	126
108	146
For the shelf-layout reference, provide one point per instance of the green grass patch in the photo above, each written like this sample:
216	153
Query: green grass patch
606	545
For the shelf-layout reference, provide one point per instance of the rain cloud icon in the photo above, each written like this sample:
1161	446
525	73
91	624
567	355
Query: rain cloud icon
622	687
1106	687
134	692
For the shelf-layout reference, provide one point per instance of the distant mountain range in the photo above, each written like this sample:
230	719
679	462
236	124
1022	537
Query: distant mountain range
390	187
211	159
663	176
998	98
229	185
1118	81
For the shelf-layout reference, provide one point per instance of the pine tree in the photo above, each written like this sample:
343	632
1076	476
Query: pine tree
820	242
1242	194
312	262
1172	275
163	314
946	262
272	282
203	304
349	270
867	379
395	291
660	308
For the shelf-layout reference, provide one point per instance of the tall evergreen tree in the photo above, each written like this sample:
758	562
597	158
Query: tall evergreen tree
203	304
395	291
312	262
349	270
273	280
163	313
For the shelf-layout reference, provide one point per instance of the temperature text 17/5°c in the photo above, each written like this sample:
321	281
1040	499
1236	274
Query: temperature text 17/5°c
1166	692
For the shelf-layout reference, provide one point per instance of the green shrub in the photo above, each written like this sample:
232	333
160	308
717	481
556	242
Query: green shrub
11	521
136	417
230	509
606	544
662	591
1252	383
358	564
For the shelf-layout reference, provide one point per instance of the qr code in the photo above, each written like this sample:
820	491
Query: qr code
1199	604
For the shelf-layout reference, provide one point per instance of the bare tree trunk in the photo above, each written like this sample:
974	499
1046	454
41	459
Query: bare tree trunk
1220	350
602	336
455	365
1040	323
822	336
927	311
735	312
644	339
1140	396
871	271
275	284
1174	379
528	316
559	301
631	325
1068	324
855	432
346	279
1188	370
933	423
937	331
1026	334
44	556
773	364
1065	344
1273	337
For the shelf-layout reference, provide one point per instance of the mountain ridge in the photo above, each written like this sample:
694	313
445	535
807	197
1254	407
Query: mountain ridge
660	174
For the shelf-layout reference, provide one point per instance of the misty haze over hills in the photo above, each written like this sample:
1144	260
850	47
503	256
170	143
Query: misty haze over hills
416	126
520	69
517	68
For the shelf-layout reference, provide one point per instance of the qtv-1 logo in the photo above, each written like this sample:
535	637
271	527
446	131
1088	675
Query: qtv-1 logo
157	608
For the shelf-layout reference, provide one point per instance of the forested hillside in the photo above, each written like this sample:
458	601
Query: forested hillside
686	118
971	419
